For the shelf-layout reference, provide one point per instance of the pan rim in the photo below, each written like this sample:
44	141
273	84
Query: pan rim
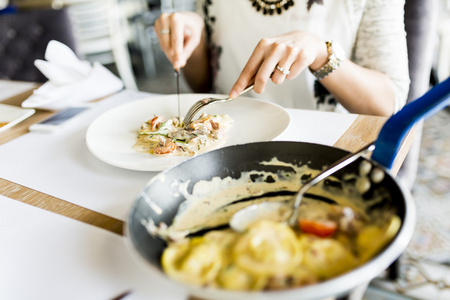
337	285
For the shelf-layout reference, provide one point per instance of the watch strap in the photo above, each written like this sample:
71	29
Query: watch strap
332	64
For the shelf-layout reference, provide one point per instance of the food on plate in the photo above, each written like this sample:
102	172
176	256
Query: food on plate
338	230
163	137
3	124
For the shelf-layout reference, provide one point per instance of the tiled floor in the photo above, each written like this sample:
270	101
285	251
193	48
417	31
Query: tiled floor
419	279
432	191
425	267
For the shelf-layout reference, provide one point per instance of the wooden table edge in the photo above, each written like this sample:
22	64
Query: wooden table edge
348	141
64	208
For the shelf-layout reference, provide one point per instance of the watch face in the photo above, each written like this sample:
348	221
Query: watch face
338	51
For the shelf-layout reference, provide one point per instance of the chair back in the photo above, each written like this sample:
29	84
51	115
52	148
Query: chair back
24	36
420	25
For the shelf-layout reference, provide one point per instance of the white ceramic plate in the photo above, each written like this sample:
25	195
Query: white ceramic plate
112	135
12	115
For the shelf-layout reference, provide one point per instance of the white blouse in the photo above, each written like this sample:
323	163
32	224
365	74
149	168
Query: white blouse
370	31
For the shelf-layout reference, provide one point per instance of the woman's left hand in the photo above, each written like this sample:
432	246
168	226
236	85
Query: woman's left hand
292	52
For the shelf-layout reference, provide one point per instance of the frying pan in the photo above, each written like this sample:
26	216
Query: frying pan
160	198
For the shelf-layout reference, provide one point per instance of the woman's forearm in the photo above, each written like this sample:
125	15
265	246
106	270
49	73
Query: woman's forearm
361	90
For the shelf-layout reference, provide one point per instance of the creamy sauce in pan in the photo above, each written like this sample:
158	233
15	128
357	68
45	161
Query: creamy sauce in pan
212	203
271	255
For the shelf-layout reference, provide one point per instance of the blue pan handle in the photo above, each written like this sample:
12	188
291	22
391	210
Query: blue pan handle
394	130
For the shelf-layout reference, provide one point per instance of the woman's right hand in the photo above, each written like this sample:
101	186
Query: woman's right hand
179	35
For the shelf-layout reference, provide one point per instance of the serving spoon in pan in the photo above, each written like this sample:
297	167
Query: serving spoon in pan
389	141
279	211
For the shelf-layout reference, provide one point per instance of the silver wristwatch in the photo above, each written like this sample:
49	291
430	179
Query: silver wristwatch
336	56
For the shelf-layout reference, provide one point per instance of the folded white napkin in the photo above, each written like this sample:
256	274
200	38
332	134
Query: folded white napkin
70	80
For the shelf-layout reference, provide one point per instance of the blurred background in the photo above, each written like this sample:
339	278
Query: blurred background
119	34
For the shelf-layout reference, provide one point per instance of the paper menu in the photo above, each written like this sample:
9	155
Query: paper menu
47	256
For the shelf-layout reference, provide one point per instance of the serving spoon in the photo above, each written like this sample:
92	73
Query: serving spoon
288	212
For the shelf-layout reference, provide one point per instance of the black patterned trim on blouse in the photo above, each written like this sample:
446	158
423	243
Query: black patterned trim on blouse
325	101
270	7
311	2
214	51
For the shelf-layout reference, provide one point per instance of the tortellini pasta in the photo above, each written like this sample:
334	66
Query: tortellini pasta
271	255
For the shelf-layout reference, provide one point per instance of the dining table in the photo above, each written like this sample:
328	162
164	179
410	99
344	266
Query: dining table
63	210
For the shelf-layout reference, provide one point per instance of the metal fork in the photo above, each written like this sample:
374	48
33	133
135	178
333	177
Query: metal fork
202	103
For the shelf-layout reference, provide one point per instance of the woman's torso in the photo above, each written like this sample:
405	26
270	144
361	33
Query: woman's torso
238	27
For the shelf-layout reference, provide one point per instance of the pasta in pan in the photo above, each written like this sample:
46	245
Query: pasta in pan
271	256
337	230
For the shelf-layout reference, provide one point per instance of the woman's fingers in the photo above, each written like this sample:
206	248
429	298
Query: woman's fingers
304	59
179	35
284	56
162	30
279	58
177	40
262	66
248	74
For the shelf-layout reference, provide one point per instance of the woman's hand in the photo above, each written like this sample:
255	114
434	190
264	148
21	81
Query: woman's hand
179	35
293	51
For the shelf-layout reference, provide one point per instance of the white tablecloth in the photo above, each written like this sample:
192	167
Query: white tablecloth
46	256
